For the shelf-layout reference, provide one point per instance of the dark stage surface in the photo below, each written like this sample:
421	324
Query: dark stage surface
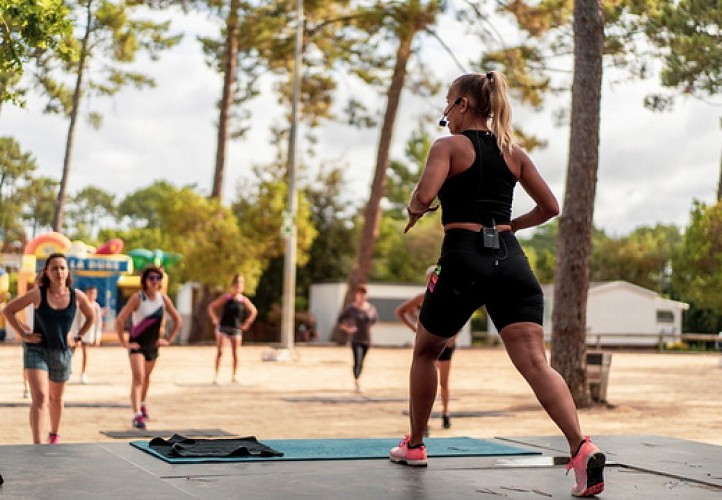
639	467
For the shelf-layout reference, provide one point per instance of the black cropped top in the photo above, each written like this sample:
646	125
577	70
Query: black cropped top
483	193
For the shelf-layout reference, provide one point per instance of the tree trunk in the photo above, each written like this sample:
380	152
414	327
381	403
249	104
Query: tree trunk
77	93
372	213
229	81
201	326
569	318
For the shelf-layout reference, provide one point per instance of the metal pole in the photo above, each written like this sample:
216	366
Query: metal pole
289	263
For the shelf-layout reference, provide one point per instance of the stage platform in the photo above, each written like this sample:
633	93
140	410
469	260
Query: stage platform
639	467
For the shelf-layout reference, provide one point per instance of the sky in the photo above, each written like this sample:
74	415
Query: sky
652	165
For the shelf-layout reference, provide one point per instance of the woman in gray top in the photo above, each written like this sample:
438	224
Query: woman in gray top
356	320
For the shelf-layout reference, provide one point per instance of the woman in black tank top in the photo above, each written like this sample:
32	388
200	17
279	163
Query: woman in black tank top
47	347
473	172
237	315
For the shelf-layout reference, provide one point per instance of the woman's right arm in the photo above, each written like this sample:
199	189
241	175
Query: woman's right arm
18	304
212	309
435	172
407	312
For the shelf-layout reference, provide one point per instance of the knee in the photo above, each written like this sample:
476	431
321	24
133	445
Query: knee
39	402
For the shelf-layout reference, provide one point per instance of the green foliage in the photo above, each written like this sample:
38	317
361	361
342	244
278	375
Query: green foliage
404	258
26	26
110	38
40	194
16	168
402	176
142	207
260	208
643	257
688	35
208	237
331	254
540	248
87	208
697	275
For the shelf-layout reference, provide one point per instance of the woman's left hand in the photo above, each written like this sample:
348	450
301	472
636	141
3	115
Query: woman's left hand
162	343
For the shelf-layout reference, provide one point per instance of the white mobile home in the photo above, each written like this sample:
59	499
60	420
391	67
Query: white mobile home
326	300
629	314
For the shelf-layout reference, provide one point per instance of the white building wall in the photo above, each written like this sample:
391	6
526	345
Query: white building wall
619	307
620	311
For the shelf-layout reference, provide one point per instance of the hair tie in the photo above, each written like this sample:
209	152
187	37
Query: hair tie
489	75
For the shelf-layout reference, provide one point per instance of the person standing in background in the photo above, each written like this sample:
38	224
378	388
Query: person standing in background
408	313
47	346
356	320
147	309
237	315
94	334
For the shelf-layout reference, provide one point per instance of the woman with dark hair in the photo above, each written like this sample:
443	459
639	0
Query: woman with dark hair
356	320
47	345
147	309
474	172
237	316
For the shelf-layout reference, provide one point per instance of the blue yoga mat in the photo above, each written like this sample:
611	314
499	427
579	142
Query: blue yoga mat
354	449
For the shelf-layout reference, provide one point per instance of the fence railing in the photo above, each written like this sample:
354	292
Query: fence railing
662	338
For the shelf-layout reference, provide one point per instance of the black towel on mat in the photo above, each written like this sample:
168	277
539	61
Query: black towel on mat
179	446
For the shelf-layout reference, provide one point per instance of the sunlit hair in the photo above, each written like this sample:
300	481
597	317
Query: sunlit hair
45	279
488	96
147	272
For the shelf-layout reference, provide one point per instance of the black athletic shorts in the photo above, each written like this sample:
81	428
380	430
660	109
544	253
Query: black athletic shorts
446	353
469	276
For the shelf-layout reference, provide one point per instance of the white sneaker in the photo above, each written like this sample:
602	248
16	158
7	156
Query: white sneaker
84	379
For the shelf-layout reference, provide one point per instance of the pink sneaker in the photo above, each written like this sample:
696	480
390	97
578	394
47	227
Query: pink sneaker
53	438
144	411
139	422
588	465
402	454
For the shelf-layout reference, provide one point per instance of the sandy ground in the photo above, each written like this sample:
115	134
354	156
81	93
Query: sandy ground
676	395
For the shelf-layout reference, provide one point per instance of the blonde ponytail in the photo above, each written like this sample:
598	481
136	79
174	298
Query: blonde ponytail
488	96
500	110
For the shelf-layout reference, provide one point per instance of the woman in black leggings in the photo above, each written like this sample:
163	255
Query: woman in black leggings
356	320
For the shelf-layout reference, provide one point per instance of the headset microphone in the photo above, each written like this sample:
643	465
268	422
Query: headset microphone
444	122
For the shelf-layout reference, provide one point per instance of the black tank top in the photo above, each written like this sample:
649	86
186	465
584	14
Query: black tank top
484	191
54	324
233	313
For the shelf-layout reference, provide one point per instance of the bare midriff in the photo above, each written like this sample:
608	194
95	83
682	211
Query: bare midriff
473	226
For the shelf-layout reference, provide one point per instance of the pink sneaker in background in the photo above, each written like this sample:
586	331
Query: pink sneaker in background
53	438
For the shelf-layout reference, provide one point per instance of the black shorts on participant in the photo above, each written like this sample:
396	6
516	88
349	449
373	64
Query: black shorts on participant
469	276
147	347
446	353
